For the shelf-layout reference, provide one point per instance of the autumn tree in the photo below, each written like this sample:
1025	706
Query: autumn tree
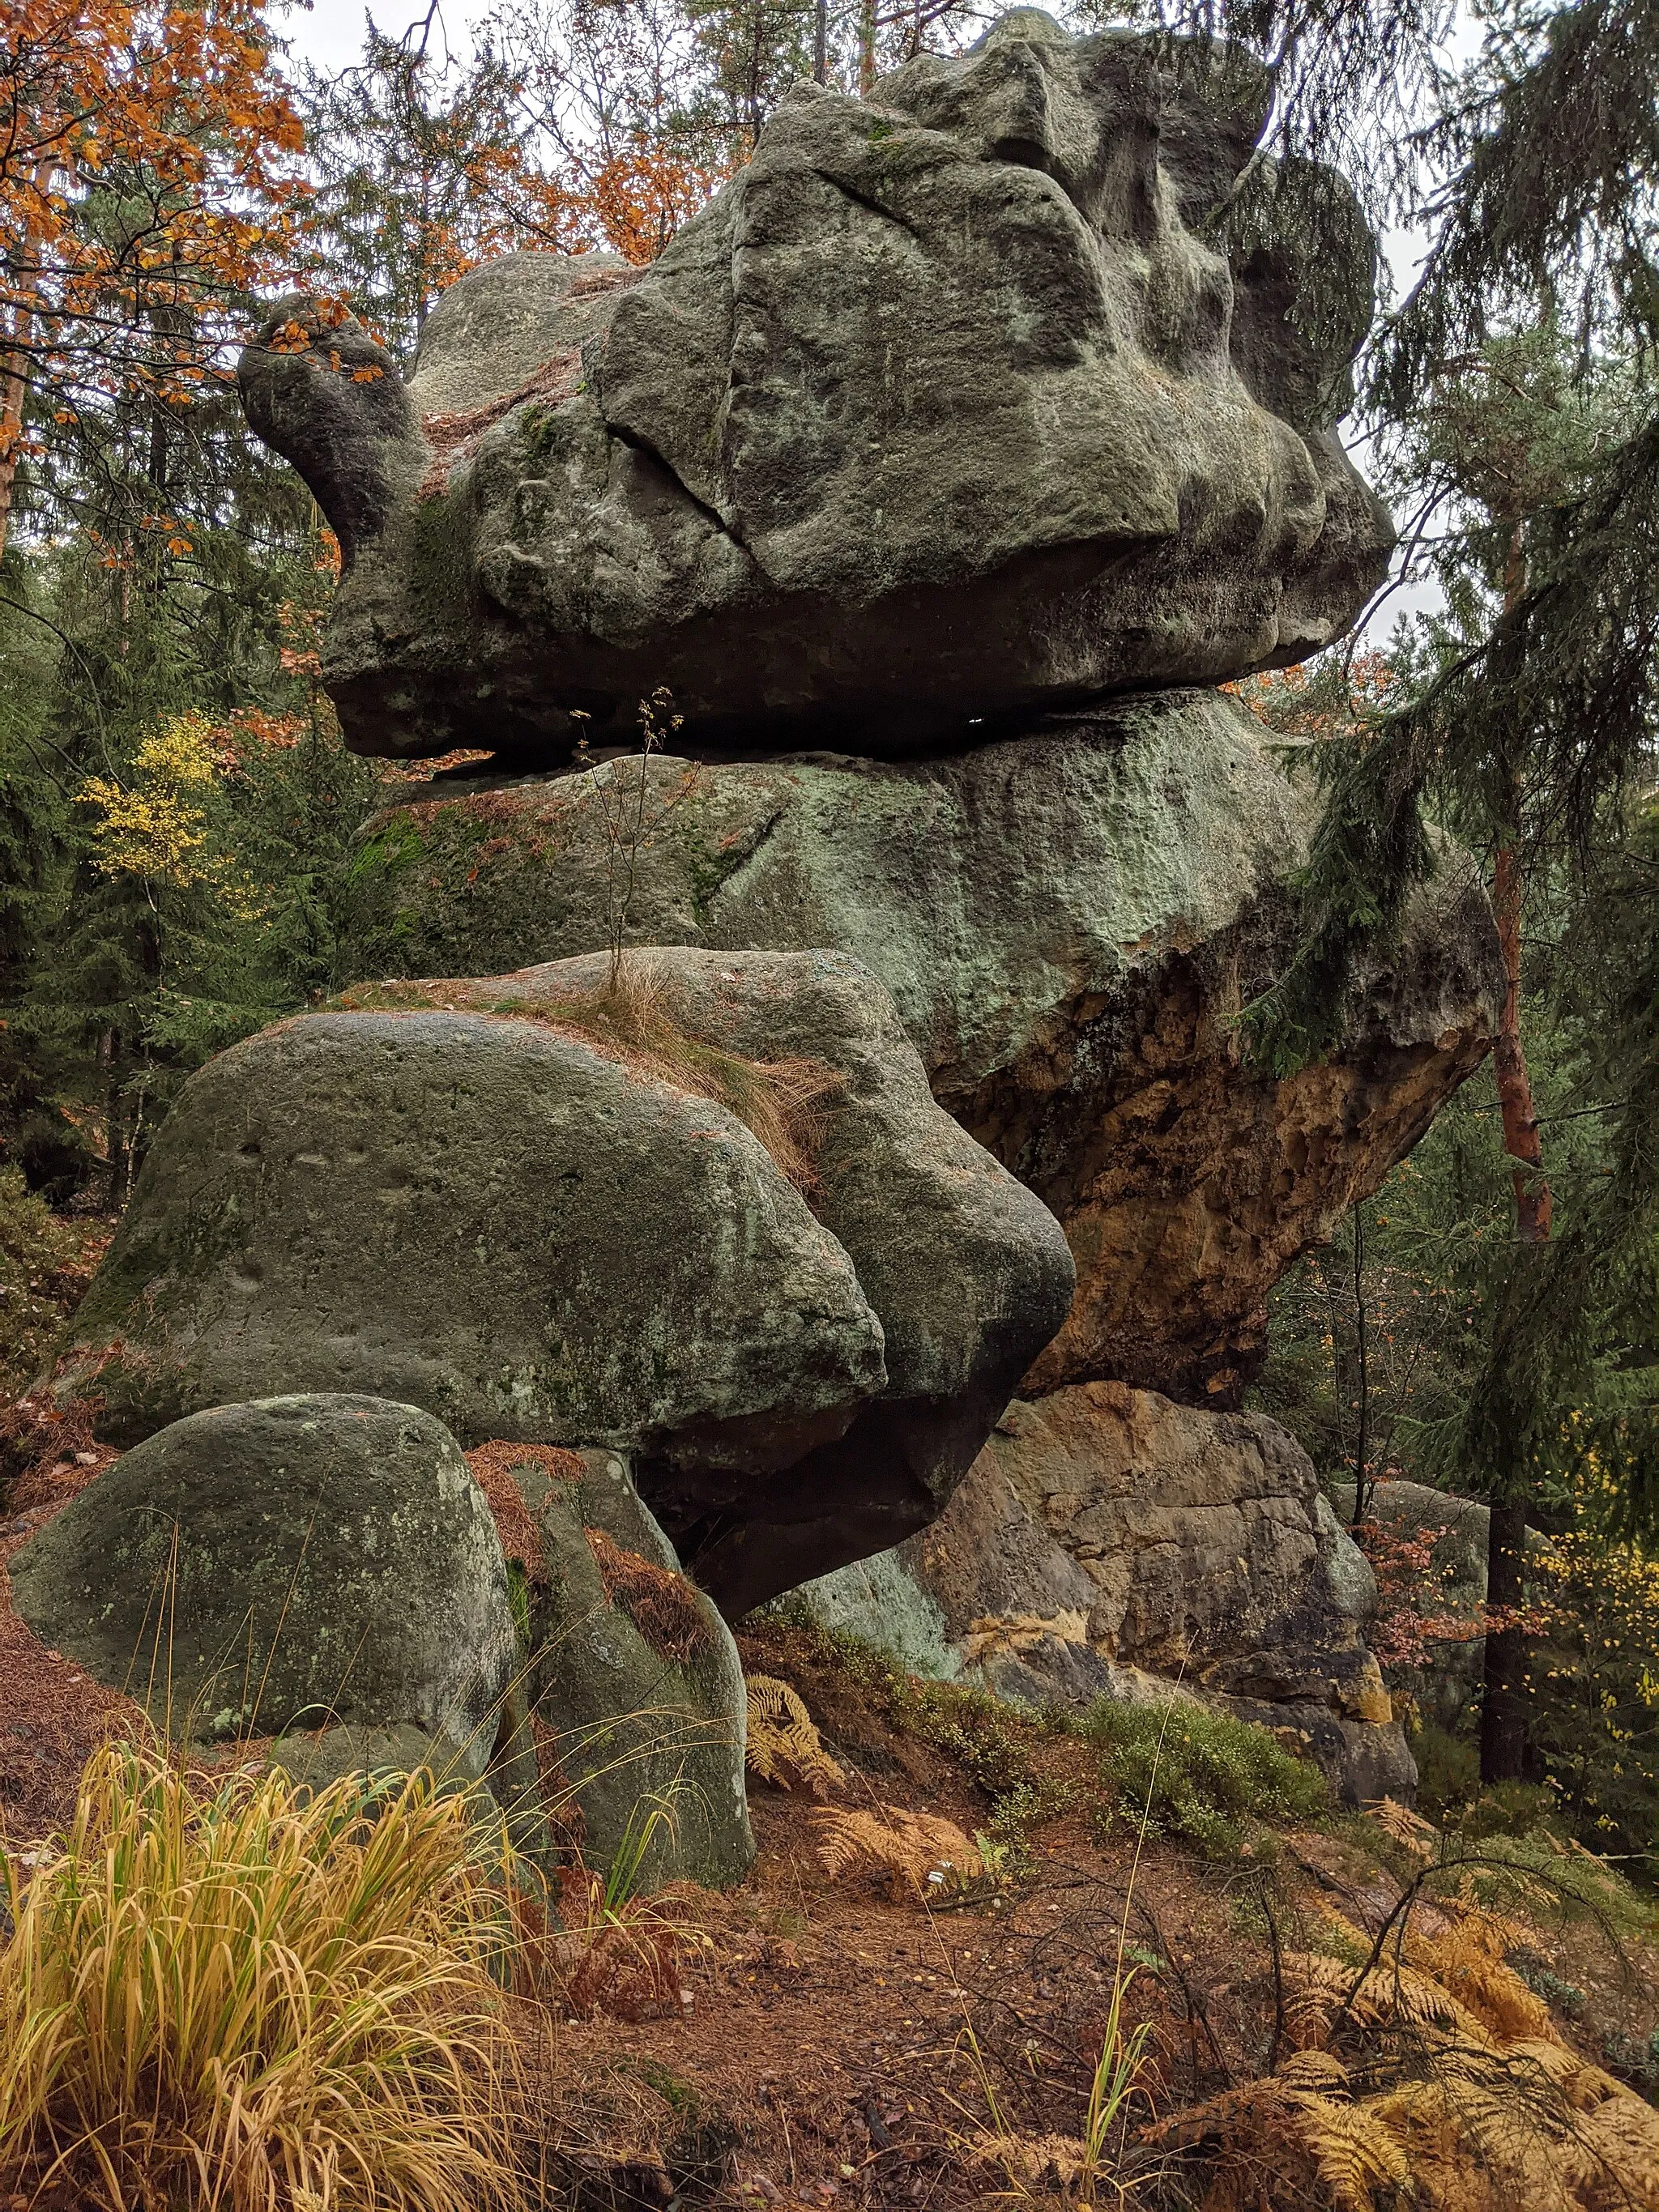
147	181
420	169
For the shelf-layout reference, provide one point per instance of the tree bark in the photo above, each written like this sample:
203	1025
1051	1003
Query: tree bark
1533	1203
14	361
1504	1701
1503	1698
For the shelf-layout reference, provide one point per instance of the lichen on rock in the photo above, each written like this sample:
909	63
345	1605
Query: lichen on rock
1014	385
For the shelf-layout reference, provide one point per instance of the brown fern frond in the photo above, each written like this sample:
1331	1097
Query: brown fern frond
1623	2133
1354	2153
1314	1987
782	1741
921	1853
1321	2072
1467	1958
1409	1829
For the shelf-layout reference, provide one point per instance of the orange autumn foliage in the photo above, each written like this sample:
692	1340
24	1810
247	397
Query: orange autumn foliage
147	174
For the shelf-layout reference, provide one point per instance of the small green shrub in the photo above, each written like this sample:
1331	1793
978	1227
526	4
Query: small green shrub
1448	1774
1197	1775
1506	1808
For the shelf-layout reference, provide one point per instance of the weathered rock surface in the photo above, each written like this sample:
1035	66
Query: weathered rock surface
991	395
465	1197
1069	925
636	1679
302	1561
1109	1542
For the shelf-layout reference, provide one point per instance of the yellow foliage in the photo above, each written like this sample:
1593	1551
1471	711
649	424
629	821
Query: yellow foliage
921	1854
159	826
253	1996
783	1740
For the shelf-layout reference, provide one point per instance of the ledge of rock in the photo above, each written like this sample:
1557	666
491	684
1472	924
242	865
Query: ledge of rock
510	1201
1069	924
1107	1541
633	1680
1014	386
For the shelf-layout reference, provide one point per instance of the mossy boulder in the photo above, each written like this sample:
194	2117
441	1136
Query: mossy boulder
520	1201
485	1215
636	1679
303	1562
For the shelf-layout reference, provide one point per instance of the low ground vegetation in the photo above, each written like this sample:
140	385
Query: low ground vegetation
994	1956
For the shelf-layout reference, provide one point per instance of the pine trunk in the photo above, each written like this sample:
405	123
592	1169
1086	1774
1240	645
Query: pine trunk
1503	1698
1533	1204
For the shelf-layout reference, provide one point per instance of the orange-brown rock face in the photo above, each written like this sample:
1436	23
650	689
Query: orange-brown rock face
1191	1184
1107	1541
1069	921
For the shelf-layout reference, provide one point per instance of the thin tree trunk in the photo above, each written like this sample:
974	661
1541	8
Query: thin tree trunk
1504	1703
13	362
821	42
13	384
1363	1435
1503	1698
867	48
1533	1202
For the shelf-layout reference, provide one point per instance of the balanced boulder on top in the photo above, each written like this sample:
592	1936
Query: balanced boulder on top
1014	385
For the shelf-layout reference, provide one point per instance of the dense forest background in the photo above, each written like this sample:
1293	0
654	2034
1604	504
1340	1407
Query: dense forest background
178	815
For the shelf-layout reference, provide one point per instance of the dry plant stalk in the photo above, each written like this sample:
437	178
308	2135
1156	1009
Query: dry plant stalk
781	1739
921	1855
255	1997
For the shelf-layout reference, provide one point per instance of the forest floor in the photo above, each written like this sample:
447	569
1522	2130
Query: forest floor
826	2041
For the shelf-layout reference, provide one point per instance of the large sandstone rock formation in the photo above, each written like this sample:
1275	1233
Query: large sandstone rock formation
1015	385
313	1561
516	1203
1105	1536
1069	924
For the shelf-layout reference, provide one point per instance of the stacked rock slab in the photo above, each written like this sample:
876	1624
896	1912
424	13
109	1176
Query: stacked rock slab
958	415
1070	925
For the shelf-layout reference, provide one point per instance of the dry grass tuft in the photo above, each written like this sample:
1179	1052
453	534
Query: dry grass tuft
781	1739
782	1102
255	1999
658	1602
